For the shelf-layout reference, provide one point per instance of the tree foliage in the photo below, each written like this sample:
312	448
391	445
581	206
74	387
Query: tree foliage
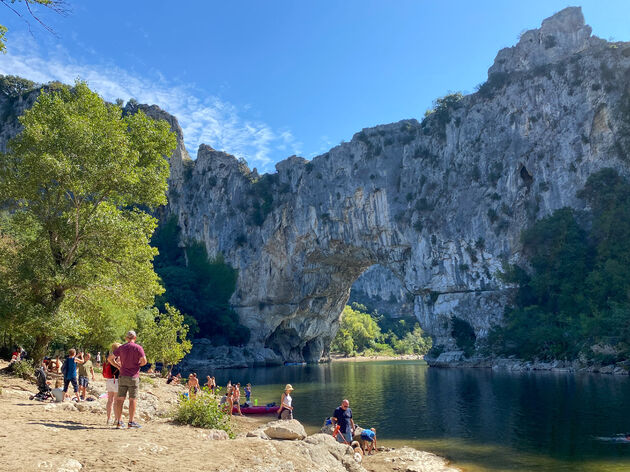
362	333
163	335
76	243
576	293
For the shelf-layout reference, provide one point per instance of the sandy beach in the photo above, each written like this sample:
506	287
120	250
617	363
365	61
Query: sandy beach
62	438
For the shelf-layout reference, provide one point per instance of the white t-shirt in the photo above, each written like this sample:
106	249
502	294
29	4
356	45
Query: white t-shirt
288	400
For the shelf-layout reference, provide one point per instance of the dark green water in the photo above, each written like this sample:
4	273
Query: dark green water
479	419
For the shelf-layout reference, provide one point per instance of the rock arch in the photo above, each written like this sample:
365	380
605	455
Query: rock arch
441	204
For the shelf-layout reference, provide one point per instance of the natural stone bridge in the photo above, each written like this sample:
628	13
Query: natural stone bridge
439	204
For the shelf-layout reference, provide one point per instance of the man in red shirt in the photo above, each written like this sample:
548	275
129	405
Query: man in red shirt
132	357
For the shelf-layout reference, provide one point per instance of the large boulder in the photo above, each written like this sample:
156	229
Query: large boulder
285	429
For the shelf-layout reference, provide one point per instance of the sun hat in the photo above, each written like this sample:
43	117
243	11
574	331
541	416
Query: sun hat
288	387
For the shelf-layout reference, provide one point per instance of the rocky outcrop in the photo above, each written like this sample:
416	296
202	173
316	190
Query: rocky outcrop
407	459
429	211
285	429
437	206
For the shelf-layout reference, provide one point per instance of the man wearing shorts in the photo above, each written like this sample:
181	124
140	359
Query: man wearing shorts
131	357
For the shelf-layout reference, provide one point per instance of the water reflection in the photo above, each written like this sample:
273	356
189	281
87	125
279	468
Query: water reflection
480	419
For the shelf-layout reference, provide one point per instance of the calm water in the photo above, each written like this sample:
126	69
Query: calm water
479	419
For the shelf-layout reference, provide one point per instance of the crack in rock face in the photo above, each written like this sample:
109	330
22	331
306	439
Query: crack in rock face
429	211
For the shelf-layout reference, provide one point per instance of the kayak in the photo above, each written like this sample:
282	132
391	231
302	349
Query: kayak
256	410
294	363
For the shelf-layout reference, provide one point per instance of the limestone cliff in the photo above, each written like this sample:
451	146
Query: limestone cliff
438	206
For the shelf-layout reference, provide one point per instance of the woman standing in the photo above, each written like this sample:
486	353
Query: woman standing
111	371
285	412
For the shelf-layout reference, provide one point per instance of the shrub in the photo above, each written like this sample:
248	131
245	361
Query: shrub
202	411
22	369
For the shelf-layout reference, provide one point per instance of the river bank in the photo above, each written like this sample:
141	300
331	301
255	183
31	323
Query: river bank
405	357
72	437
454	359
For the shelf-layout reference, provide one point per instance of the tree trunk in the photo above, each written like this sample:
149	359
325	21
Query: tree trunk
40	348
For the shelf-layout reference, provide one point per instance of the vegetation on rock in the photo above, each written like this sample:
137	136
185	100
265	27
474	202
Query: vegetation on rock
197	286
575	300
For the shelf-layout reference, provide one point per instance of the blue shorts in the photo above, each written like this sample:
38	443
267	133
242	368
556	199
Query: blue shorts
347	436
83	381
67	382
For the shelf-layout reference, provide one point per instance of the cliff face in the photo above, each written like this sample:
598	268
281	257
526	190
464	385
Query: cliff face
436	206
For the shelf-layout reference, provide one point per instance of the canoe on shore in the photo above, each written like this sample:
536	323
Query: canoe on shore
256	410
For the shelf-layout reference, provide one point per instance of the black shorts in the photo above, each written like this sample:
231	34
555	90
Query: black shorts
67	382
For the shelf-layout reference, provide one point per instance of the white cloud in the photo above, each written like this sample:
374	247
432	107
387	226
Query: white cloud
204	119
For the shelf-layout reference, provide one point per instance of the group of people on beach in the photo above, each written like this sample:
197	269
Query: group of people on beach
121	370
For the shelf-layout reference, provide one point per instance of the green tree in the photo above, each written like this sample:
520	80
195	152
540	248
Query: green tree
163	335
75	179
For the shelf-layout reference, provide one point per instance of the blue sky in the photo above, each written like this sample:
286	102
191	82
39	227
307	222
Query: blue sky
267	79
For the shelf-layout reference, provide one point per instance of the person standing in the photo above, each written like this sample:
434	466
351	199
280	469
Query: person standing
248	392
285	412
342	417
131	357
85	369
111	372
69	371
98	358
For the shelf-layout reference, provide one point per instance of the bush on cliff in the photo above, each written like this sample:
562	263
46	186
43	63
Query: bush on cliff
577	293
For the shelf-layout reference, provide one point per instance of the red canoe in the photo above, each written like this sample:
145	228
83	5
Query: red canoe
256	410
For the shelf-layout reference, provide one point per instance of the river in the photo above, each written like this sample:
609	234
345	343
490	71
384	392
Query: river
481	420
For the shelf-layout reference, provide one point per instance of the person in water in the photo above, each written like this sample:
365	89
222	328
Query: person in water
285	412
